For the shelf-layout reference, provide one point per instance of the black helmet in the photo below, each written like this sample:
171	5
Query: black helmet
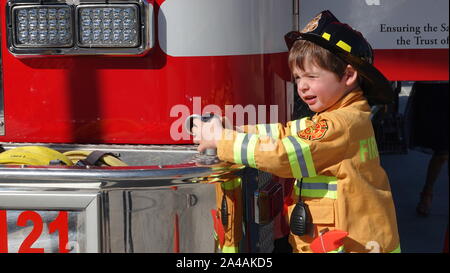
349	45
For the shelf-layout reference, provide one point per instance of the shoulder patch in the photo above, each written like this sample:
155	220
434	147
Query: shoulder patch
315	131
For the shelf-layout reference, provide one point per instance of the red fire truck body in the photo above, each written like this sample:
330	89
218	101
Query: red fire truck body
87	97
128	99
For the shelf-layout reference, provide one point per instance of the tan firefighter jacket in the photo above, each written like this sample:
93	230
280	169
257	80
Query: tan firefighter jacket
335	154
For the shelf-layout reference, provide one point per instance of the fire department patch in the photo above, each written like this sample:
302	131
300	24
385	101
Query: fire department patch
314	132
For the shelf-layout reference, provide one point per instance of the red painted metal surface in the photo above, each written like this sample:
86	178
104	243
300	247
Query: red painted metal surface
99	99
123	100
413	64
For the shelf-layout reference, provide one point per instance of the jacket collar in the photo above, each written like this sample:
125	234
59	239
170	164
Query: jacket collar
352	97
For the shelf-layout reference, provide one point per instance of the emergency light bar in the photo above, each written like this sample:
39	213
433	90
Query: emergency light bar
82	27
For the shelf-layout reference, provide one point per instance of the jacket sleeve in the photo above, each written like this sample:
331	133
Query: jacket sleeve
277	130
306	153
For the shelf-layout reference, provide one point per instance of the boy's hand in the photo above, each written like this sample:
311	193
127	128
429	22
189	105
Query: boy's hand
207	134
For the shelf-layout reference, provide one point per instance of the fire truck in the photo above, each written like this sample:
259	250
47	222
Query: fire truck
109	84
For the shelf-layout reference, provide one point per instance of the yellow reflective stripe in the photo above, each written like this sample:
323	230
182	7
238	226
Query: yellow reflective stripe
340	249
397	250
244	149
261	129
251	151
299	156
296	188
237	147
231	184
326	36
274	132
308	157
292	157
320	179
230	249
268	130
318	187
344	46
319	193
303	123
295	127
298	125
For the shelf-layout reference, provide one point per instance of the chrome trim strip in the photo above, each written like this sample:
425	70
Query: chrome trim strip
45	200
93	226
12	174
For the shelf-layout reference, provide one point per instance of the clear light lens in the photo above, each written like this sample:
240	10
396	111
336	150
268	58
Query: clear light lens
43	26
111	26
52	14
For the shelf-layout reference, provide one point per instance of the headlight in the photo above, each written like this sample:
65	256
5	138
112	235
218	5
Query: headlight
42	26
61	27
108	26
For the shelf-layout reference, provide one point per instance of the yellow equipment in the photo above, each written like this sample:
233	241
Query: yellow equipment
33	155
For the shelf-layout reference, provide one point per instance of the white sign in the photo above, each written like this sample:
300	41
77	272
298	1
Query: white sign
389	24
224	27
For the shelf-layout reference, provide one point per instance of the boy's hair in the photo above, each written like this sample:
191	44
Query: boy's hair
303	51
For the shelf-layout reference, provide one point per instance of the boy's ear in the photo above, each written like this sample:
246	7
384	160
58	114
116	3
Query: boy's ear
351	75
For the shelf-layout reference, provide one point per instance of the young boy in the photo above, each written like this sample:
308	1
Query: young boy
333	155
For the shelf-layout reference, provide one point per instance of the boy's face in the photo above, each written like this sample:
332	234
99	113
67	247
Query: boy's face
319	88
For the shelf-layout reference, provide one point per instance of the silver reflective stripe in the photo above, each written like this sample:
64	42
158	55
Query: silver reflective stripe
244	149
298	125
247	151
319	186
268	130
300	158
274	132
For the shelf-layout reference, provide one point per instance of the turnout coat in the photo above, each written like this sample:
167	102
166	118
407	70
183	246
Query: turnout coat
335	155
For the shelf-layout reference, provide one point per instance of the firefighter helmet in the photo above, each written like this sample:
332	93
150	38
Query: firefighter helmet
33	155
350	45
